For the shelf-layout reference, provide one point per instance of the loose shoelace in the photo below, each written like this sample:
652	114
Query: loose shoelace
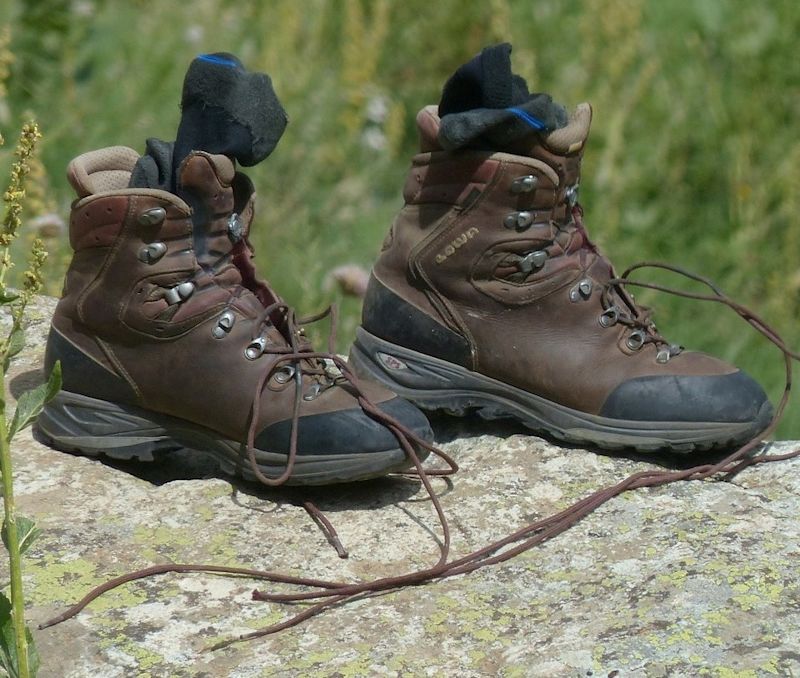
617	301
620	308
296	355
326	593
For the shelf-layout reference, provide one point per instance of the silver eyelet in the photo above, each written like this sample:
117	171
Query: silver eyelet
524	219
153	216
583	290
224	325
312	393
663	356
635	340
255	348
284	374
235	228
151	253
571	195
609	317
524	184
518	220
179	293
532	260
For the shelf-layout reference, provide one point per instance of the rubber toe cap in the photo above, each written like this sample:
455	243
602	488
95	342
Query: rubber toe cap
349	431
728	398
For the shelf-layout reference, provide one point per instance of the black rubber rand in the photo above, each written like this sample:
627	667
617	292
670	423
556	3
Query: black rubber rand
388	316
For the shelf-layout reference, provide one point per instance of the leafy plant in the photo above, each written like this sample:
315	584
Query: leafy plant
18	655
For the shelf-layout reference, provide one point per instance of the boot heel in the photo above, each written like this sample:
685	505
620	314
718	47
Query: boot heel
77	423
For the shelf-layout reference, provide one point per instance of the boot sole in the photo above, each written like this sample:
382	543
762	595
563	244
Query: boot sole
435	384
97	428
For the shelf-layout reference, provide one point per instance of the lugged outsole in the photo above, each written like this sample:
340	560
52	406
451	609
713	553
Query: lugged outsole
435	384
79	424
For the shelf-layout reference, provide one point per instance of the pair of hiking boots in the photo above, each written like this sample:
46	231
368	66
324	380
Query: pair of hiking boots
488	296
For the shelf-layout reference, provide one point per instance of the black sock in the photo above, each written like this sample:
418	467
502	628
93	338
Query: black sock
485	105
226	110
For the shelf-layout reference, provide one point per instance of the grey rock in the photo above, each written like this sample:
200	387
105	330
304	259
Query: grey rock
689	579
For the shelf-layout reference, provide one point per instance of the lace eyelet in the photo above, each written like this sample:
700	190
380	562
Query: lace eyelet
224	325
284	374
235	228
518	220
179	293
312	393
635	340
609	317
255	348
583	290
532	260
152	217
524	184
150	254
571	195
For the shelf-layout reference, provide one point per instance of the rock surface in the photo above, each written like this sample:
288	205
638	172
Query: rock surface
690	579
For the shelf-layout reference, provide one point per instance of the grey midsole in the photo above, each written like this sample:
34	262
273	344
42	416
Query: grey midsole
93	427
432	383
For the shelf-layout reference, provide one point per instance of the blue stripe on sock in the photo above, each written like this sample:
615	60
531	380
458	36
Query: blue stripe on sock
527	117
221	61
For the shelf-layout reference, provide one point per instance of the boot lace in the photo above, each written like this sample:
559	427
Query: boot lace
278	333
327	369
329	594
618	304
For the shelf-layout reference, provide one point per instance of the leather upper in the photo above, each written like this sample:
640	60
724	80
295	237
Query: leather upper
153	279
525	292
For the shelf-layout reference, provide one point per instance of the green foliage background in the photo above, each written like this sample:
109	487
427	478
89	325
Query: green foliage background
694	156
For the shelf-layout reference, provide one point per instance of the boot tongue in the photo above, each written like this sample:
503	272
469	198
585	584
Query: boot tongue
201	171
222	210
205	183
486	106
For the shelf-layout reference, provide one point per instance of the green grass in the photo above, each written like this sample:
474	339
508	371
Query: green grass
694	156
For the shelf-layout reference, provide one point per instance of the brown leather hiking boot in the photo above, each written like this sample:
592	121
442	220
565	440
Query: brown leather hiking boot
488	295
168	339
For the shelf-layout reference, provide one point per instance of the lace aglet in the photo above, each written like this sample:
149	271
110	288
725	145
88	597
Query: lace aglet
327	529
341	551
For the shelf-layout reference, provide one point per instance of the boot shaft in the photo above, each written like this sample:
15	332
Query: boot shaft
144	322
135	265
135	286
166	335
488	266
222	204
489	297
488	220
